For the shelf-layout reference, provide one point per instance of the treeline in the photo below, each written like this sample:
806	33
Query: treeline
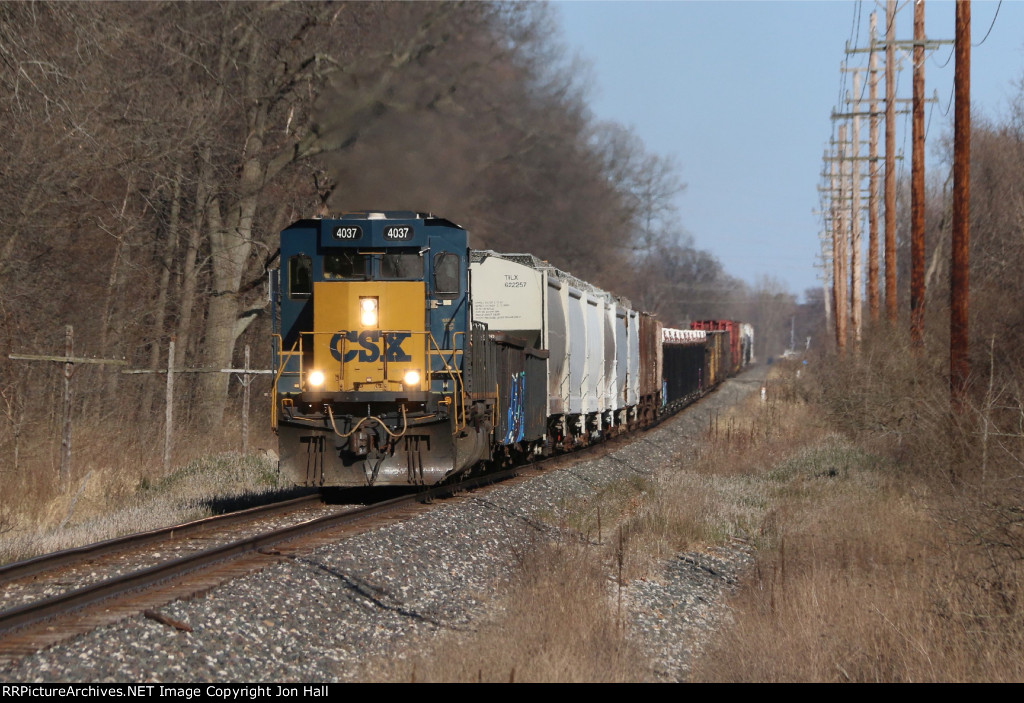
153	151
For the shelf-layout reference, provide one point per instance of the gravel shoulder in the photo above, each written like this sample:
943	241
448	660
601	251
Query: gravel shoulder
340	611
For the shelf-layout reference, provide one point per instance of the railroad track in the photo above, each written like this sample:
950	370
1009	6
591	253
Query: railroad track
39	592
91	553
43	618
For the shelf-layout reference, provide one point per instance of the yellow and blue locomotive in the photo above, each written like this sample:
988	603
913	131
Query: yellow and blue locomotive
381	378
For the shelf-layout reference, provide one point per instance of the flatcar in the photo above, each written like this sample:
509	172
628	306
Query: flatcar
402	357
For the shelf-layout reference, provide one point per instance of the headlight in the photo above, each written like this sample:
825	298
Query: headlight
316	378
368	312
412	378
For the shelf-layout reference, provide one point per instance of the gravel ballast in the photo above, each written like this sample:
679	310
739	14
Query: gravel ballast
340	611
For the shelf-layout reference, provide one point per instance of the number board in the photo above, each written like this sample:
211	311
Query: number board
398	233
348	233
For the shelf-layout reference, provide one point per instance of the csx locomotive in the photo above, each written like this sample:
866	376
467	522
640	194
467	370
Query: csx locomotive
403	358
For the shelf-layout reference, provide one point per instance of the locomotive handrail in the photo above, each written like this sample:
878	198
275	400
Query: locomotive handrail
280	371
455	346
456	377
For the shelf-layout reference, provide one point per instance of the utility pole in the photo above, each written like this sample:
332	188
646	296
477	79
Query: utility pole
873	177
959	366
836	270
873	113
890	162
826	298
856	272
825	239
840	245
919	45
917	186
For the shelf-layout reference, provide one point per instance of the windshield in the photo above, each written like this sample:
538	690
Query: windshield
401	265
346	266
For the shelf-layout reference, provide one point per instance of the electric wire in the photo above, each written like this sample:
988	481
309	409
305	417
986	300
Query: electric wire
946	62
991	25
949	103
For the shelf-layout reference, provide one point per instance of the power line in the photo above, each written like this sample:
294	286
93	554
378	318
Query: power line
991	25
946	62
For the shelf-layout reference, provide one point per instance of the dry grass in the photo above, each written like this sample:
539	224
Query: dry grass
863	582
119	491
890	538
558	623
893	564
561	620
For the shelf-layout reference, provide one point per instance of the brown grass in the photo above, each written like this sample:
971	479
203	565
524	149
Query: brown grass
558	623
890	537
118	486
863	582
561	619
894	564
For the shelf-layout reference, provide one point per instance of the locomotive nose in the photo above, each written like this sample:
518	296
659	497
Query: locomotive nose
369	335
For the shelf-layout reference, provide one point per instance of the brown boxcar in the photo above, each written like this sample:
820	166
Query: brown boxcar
717	358
650	367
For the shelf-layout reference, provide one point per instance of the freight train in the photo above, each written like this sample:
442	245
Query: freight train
401	357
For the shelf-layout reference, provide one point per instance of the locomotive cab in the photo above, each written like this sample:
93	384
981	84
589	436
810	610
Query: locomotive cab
370	335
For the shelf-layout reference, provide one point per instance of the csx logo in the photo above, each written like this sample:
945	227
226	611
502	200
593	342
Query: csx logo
369	346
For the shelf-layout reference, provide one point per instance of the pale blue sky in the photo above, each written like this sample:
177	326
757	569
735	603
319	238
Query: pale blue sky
740	94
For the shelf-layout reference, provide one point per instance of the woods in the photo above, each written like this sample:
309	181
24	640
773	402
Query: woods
154	151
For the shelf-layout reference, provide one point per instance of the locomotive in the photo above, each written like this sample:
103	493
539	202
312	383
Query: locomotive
401	357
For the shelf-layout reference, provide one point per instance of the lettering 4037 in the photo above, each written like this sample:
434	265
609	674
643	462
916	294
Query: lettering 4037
397	233
348	232
367	346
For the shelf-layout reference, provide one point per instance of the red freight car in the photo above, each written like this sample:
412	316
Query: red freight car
733	329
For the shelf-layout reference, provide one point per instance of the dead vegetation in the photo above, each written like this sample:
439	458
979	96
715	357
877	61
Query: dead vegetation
122	493
905	564
144	184
871	565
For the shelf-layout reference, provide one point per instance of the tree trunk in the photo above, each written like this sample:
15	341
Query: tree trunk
163	294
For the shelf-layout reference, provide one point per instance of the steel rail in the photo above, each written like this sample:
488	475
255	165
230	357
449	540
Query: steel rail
33	613
75	555
64	604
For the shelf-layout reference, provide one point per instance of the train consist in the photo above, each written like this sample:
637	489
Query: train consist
403	358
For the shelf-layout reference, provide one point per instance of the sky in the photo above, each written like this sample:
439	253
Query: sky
739	95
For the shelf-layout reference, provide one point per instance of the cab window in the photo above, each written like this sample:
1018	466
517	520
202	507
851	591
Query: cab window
446	273
300	276
395	265
345	266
